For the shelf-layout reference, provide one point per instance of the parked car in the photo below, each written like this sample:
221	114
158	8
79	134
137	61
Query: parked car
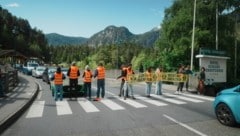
227	106
38	71
47	74
27	69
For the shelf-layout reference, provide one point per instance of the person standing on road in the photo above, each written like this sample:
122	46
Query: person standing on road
128	86
180	73
58	78
87	75
100	74
148	79
201	80
159	81
73	74
123	77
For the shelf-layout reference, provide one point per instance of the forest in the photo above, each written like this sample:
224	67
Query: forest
171	49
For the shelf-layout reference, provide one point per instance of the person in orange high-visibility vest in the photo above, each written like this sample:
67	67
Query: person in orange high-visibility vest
127	85
73	74
148	79
100	74
87	79
58	84
158	73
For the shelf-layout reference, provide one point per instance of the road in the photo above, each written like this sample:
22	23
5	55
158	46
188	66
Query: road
167	115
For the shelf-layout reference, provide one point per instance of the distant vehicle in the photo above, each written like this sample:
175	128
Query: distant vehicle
38	71
27	69
65	70
227	106
47	73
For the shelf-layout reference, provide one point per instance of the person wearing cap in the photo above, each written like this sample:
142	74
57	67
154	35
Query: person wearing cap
100	74
58	78
73	74
87	79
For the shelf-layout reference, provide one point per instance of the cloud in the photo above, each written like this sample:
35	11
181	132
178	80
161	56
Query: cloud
13	5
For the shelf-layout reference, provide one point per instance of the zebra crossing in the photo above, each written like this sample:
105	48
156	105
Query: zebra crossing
116	103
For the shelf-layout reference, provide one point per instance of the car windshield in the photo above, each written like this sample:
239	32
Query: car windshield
33	65
40	69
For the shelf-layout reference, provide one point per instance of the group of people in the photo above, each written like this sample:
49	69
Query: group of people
126	86
73	74
186	70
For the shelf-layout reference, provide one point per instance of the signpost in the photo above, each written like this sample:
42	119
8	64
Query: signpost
214	61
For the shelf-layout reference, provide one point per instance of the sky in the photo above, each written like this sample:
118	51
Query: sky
84	18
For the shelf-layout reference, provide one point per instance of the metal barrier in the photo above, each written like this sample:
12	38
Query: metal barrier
9	80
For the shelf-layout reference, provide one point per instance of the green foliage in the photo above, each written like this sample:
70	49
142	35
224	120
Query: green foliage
16	33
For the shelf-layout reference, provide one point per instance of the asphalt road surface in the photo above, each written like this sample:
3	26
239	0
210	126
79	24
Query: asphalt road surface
168	115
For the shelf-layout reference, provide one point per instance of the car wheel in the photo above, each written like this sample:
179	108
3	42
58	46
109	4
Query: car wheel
225	115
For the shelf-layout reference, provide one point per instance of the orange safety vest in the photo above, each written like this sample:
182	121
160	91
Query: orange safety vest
148	76
129	73
101	72
88	76
58	78
73	72
159	76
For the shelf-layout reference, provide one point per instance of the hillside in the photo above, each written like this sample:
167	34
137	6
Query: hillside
57	39
110	35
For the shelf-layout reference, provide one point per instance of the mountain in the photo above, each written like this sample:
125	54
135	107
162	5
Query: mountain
110	35
57	39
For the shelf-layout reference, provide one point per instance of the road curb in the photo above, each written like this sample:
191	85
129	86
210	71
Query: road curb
15	115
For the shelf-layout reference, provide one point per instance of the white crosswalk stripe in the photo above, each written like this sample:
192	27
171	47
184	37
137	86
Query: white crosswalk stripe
154	102
116	104
87	105
168	99
112	105
36	109
200	97
132	102
63	108
183	98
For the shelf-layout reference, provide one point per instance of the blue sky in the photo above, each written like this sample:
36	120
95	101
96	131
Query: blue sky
87	17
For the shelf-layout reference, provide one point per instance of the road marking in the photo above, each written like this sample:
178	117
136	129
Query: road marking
36	110
63	108
154	102
182	98
184	125
200	97
112	105
87	105
131	102
39	95
167	99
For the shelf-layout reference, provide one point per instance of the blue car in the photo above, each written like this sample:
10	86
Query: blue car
227	106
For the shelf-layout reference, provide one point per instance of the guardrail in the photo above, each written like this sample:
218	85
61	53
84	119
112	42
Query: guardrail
9	80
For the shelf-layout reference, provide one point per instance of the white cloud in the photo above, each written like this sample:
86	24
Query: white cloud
14	5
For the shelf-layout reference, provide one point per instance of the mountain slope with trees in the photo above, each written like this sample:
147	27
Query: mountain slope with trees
110	35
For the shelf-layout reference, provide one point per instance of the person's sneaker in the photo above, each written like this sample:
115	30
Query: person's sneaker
97	99
133	98
119	95
176	92
125	97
